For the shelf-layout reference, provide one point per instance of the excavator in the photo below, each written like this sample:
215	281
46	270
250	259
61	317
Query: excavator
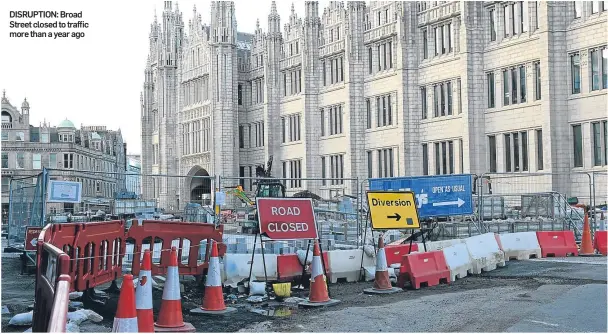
266	187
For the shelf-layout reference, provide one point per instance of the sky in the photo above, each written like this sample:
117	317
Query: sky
97	79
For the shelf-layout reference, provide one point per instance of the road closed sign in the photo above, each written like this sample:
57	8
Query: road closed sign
31	237
286	218
392	210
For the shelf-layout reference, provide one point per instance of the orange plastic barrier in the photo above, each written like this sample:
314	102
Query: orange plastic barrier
430	268
52	288
165	232
601	242
557	243
290	268
96	250
394	253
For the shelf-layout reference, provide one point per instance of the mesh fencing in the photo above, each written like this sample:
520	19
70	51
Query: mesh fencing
25	207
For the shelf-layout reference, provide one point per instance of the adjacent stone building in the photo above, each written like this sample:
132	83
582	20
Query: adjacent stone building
133	178
379	89
92	155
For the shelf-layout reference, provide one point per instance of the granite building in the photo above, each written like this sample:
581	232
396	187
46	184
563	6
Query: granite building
378	89
92	155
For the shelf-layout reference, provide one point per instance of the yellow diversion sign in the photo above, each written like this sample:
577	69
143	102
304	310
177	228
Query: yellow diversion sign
392	210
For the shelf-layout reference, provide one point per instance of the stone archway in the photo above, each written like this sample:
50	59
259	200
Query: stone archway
199	186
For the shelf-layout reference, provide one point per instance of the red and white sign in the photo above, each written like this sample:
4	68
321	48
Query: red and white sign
31	237
286	218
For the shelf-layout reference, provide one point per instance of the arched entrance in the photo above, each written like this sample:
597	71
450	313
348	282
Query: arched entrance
200	186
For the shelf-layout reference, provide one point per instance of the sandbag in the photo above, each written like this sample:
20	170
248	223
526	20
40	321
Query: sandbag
257	288
302	255
22	319
369	251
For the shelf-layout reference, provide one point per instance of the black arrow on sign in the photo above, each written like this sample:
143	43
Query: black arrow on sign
395	217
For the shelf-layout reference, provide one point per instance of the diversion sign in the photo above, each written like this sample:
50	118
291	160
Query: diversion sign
392	210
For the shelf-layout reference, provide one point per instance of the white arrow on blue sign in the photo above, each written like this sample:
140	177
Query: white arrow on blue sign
436	196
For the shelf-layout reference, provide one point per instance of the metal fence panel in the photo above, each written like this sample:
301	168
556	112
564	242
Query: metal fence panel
335	205
24	199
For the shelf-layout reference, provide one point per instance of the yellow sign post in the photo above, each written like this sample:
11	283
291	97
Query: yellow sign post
392	210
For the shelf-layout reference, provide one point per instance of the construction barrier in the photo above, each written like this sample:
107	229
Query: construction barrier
428	268
557	243
346	265
166	233
288	267
394	253
519	246
237	267
438	245
95	250
459	260
485	252
601	242
52	288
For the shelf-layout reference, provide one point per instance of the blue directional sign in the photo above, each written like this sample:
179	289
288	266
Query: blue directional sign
436	196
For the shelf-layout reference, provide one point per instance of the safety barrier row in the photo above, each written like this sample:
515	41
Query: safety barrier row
96	249
52	288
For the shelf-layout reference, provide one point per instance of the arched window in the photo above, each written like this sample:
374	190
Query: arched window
6	117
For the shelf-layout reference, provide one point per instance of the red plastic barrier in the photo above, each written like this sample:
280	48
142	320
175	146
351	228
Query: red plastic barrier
601	242
428	267
96	250
167	231
290	268
52	288
557	243
394	253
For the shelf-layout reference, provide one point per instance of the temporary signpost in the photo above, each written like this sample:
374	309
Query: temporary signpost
64	192
436	196
391	210
31	237
285	219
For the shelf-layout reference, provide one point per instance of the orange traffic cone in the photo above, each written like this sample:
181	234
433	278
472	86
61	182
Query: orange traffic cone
586	243
318	295
213	299
382	284
170	318
126	315
143	296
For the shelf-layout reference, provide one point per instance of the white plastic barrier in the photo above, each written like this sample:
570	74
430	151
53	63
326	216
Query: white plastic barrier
347	264
485	252
520	246
458	260
236	267
438	245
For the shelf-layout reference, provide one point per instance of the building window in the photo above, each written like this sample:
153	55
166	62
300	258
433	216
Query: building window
492	25
437	160
604	55
575	73
505	88
36	161
4	160
507	152
423	102
322	122
68	160
240	94
425	45
368	108
461	147
293	126
4	135
241	137
490	82
98	186
578	9
385	162
524	151
451	156
537	89
323	171
522	83
384	115
425	159
44	137
514	86
539	149
597	143
335	120
514	80
492	147
20	160
443	39
370	161
369	63
605	133
523	16
295	169
53	160
577	135
598	64
19	136
449	96
337	169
